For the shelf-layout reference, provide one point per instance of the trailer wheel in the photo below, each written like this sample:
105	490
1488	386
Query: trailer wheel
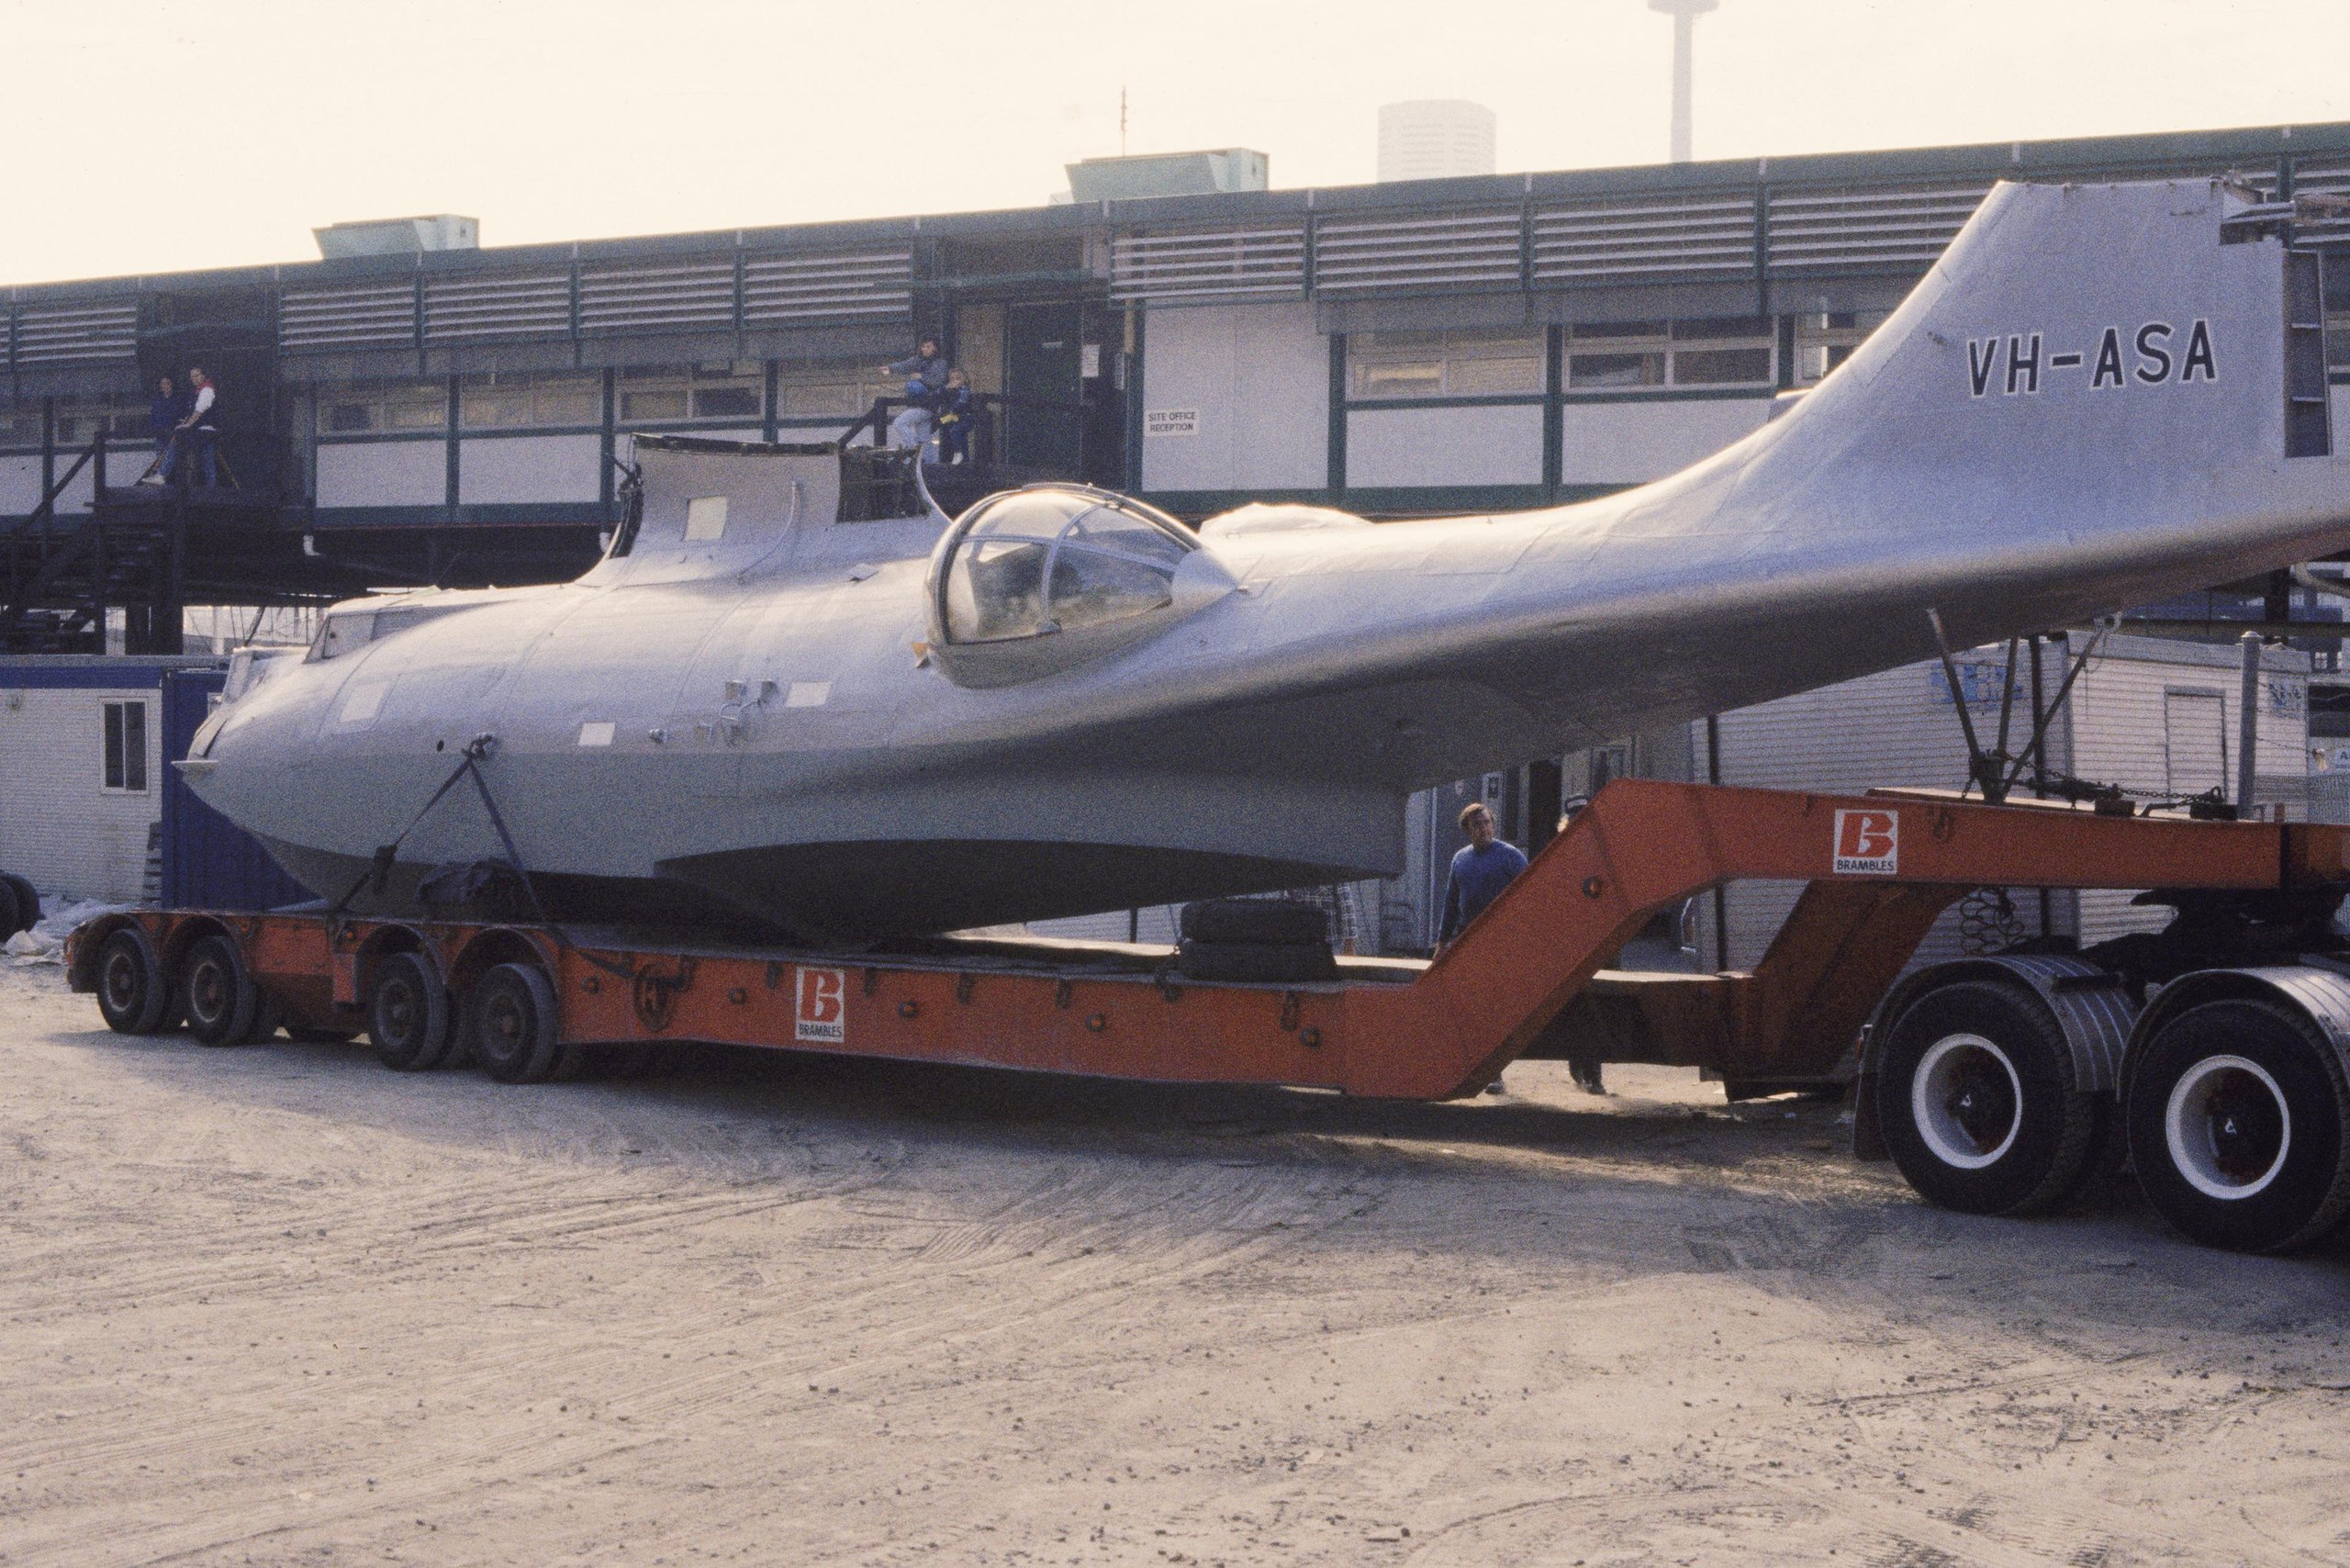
27	903
2237	1120
1978	1102
512	1017
132	996
217	994
408	1012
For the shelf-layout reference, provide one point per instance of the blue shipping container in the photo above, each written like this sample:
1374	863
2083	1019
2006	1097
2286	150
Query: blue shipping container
208	861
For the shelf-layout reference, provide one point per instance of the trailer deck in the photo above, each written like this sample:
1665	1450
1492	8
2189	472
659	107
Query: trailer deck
1526	978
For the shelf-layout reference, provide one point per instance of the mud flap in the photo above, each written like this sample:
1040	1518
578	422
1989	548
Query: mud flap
1868	1136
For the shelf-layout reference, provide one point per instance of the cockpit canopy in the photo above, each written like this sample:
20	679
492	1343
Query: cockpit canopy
1061	567
1056	559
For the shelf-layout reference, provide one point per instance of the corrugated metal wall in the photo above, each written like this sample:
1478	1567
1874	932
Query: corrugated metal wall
1900	728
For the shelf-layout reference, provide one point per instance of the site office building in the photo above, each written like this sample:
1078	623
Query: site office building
83	755
1493	341
1440	346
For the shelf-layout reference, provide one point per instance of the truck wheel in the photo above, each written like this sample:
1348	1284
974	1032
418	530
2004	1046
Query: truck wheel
217	994
131	993
11	919
1978	1101
512	1017
2236	1119
408	1012
28	904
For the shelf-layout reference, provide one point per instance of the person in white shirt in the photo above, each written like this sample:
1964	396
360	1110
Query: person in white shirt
203	430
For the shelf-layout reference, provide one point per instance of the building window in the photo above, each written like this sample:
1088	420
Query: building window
126	747
371	406
829	388
79	420
2337	346
1826	340
662	394
1459	362
530	402
1710	351
19	424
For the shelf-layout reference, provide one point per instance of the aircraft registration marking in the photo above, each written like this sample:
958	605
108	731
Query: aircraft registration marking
819	1015
2152	355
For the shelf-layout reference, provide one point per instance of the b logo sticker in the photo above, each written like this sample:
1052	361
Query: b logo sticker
1868	844
822	1015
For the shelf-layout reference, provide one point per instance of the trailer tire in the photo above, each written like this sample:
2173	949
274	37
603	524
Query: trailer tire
1979	1103
408	1012
1263	923
512	1019
27	903
132	995
2237	1118
215	992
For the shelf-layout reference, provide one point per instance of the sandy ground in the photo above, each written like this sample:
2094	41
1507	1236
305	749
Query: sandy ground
277	1305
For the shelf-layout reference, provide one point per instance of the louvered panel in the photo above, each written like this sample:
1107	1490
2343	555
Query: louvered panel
353	317
1478	249
1710	235
511	305
638	299
2322	179
66	334
837	286
1209	264
1900	227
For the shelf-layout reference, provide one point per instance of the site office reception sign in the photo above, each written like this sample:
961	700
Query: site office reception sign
1868	844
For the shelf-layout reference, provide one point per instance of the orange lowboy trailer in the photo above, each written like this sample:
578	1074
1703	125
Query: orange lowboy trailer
529	1002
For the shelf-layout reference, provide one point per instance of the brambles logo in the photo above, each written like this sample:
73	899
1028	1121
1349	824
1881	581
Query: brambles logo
822	1015
1868	844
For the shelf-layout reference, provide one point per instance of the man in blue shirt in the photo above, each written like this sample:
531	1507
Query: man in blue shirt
1480	872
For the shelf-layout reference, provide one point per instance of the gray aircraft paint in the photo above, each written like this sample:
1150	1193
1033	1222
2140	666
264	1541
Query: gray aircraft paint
788	737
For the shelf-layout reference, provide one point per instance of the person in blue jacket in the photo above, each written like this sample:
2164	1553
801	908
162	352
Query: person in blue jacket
925	374
956	409
166	410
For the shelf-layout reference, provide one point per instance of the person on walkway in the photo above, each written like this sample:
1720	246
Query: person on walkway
955	410
164	411
925	376
201	426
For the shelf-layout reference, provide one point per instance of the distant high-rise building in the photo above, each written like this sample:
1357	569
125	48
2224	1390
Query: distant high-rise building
1433	139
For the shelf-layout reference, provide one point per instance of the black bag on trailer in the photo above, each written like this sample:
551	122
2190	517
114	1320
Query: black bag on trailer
1256	961
1265	922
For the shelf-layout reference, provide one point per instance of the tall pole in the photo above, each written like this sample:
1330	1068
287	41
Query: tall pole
1684	14
1684	28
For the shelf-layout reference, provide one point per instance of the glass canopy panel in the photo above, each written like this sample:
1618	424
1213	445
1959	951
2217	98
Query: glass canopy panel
1090	589
996	591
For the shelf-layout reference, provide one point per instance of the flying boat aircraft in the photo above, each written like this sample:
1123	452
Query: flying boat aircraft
795	693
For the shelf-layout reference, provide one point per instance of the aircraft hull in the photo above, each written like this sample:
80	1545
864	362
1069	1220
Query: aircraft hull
769	721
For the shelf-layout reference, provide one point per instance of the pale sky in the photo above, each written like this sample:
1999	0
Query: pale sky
165	135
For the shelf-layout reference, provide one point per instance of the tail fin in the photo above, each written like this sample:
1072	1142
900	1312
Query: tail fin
2104	393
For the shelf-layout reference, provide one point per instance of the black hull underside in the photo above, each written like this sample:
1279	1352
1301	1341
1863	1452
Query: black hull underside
832	894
